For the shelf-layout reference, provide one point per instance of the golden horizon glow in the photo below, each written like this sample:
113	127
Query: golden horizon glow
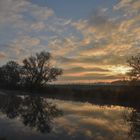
119	69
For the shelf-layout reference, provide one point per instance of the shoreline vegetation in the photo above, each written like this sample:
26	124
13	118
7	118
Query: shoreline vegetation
124	95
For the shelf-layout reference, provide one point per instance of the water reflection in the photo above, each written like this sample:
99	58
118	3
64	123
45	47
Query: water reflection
85	121
80	121
34	112
134	121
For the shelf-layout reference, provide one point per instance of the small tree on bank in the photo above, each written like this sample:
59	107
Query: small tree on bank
38	71
134	63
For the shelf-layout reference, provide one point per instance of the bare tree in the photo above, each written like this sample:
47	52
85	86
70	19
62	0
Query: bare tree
134	63
38	70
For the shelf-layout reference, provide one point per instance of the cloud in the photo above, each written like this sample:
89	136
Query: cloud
2	55
25	24
92	77
42	13
126	5
27	41
106	38
108	59
23	16
10	9
106	41
20	48
84	69
63	46
38	26
109	37
23	43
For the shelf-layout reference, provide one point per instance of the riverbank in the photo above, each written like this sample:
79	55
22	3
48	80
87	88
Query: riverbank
108	94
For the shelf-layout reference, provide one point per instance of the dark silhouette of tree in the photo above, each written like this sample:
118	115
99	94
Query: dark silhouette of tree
35	72
10	73
133	119
134	63
35	112
38	70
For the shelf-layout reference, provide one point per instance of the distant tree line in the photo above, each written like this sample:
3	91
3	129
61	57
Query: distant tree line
34	72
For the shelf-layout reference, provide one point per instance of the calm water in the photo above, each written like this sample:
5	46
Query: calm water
38	118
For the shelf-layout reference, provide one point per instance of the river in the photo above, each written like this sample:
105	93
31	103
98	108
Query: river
41	118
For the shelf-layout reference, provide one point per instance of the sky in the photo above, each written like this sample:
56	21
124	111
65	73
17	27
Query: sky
90	40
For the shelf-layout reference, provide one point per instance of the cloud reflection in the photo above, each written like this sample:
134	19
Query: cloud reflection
80	121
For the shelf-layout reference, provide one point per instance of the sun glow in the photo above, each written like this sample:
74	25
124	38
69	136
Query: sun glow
119	69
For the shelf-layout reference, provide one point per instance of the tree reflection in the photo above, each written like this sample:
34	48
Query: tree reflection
34	112
134	121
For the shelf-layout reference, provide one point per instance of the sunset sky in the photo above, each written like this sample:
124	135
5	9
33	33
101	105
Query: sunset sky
89	39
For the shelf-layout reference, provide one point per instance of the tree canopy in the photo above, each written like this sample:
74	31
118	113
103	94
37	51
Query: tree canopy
10	73
36	71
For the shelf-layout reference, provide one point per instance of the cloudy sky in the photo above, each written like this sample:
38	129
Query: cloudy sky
90	39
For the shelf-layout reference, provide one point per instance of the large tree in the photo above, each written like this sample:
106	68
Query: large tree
38	70
10	74
134	63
